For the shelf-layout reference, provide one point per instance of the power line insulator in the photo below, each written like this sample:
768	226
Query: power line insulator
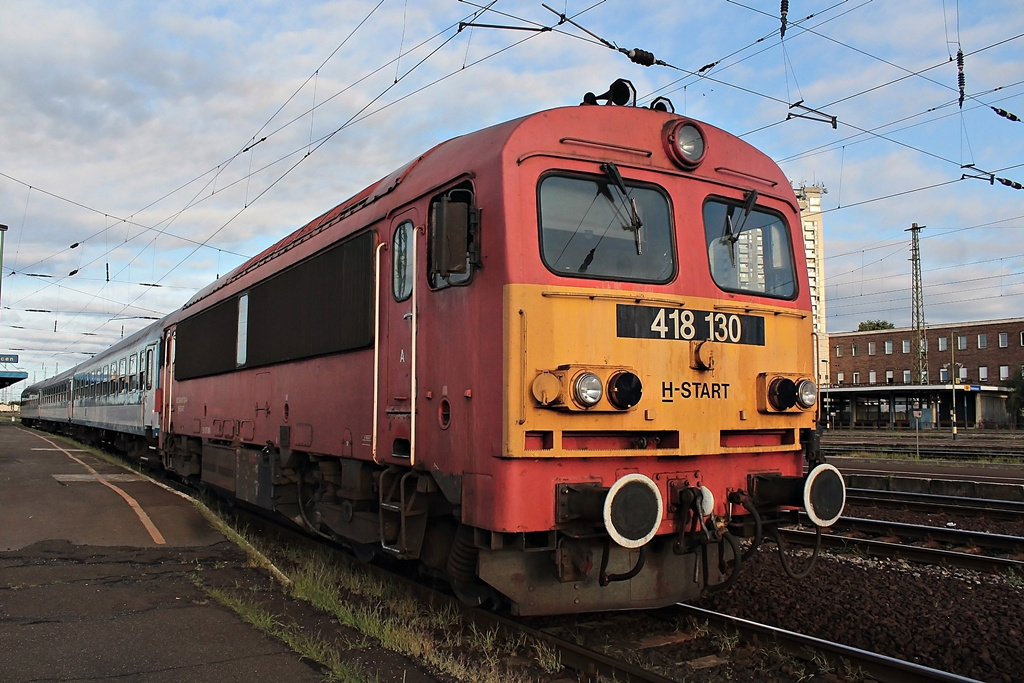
961	81
641	57
1011	183
783	11
1006	114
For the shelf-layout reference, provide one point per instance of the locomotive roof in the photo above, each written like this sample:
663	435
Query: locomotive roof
363	199
491	140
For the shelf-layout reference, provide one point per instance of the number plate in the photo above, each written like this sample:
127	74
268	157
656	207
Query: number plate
649	322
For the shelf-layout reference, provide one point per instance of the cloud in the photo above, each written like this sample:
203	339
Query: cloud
124	123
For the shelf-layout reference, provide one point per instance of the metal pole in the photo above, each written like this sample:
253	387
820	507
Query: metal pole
3	231
952	376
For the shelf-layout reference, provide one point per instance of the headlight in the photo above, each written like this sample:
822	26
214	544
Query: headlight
685	144
782	393
587	389
806	393
624	390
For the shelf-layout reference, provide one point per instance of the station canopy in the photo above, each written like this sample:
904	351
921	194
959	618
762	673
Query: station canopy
9	377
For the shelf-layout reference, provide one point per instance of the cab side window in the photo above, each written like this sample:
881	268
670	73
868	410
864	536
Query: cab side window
453	237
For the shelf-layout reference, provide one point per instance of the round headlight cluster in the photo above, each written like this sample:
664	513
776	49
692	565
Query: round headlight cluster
784	393
685	144
587	389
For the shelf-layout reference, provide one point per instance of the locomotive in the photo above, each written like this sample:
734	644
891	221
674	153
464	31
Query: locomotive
563	362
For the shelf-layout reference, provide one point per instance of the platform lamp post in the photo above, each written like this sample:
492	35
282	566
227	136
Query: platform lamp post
3	230
952	376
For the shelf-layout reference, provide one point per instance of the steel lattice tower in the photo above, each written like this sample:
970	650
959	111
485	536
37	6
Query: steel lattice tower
920	341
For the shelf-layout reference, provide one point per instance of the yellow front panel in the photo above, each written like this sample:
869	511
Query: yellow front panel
700	395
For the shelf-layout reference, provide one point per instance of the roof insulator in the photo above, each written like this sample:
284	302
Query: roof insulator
961	81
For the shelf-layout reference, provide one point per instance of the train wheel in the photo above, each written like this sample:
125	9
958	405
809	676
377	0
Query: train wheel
477	594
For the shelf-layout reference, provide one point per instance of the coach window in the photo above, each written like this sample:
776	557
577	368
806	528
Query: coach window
401	264
453	237
149	369
749	249
242	338
133	380
605	228
122	376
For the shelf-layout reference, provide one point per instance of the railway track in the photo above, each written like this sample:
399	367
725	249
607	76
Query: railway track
969	448
879	667
1009	510
918	543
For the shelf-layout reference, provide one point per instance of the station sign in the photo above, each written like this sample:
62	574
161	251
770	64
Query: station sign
8	358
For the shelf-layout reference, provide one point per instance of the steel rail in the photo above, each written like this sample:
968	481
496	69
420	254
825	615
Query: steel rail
929	451
911	553
881	667
940	534
933	501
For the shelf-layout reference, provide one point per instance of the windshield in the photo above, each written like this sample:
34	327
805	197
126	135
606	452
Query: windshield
590	229
748	252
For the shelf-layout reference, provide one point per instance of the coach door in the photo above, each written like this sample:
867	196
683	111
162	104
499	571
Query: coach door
165	395
148	360
395	357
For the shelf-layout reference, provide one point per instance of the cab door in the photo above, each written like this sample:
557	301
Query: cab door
395	381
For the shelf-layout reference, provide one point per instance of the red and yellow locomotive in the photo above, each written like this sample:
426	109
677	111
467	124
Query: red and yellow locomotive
564	360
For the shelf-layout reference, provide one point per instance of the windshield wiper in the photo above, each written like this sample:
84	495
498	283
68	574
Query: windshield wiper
635	224
732	232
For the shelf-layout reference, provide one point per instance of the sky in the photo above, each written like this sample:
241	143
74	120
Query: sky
150	147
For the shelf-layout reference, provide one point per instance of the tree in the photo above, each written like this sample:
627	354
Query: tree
1015	401
869	325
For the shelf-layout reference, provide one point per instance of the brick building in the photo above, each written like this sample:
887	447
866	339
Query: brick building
871	375
983	353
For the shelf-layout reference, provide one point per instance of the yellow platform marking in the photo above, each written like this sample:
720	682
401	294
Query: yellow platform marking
154	533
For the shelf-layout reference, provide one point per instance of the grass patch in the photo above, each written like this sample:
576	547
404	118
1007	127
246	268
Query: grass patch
311	647
435	635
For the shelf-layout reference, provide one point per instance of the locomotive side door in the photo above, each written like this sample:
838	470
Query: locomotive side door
395	382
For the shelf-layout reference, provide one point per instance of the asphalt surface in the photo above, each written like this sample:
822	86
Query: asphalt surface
101	575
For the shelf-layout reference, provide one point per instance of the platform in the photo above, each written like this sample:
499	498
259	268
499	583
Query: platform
98	577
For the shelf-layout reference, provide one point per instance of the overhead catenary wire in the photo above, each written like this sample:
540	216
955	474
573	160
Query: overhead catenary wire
359	116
